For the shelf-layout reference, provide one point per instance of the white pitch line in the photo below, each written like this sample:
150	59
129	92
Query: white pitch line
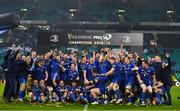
85	107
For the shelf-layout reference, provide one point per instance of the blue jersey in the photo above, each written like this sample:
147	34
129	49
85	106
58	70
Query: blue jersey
47	64
89	69
35	90
104	67
146	74
67	63
40	73
117	73
73	74
130	75
55	66
96	62
74	90
82	68
128	70
60	90
55	70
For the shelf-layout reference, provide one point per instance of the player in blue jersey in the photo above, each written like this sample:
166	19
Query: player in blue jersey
66	63
98	86
47	64
83	95
82	68
73	91
130	75
61	91
55	68
40	71
88	76
73	73
34	92
104	65
146	78
116	77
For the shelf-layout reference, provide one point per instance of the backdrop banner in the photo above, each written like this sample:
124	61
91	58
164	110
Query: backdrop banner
89	38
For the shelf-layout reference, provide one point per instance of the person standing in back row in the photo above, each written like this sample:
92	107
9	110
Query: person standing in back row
165	77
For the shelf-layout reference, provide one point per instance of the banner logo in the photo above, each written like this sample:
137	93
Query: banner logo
54	38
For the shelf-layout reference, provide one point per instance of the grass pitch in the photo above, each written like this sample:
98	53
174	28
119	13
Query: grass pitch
81	107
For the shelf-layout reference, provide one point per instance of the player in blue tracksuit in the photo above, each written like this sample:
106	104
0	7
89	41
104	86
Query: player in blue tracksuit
116	77
130	75
34	92
55	68
88	76
98	87
146	78
73	92
40	71
61	91
73	73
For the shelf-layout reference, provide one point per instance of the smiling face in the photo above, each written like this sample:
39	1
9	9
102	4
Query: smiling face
33	54
35	83
91	60
61	83
18	57
126	60
73	66
112	60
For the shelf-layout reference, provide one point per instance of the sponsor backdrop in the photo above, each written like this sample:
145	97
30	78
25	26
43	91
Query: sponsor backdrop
49	38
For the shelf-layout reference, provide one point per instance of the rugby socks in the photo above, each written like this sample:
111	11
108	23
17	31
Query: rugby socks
158	97
63	98
143	95
21	94
118	93
73	97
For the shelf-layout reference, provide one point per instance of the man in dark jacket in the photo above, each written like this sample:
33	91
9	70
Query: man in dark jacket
166	78
157	65
4	65
12	73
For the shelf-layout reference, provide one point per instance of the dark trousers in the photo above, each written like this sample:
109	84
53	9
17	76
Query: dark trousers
168	92
12	85
6	87
17	88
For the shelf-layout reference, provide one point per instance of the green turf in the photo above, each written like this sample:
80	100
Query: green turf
66	106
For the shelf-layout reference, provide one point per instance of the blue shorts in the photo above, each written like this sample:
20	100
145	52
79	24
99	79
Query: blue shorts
37	98
22	80
147	83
